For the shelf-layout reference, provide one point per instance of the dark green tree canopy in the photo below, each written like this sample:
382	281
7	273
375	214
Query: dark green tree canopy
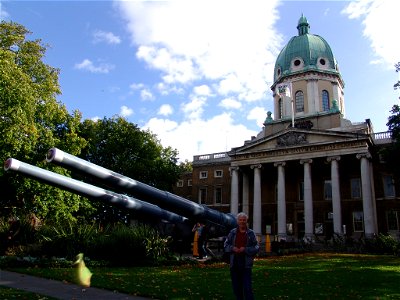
394	120
120	146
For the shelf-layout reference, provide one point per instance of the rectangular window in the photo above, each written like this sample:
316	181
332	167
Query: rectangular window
202	195
328	190
203	174
392	220
218	173
388	186
218	195
189	182
358	221
179	183
301	191
355	188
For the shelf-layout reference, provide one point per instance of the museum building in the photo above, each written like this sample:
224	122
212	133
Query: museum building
309	172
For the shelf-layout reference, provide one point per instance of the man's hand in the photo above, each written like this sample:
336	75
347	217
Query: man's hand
238	250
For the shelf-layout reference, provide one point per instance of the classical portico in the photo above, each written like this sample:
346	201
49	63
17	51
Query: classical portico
280	155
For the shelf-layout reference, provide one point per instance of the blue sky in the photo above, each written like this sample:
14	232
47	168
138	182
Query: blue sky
198	73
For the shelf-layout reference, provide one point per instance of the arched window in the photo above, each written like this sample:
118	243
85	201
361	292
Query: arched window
299	101
325	100
280	109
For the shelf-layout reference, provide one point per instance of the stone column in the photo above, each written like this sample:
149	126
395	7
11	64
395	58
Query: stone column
308	201
234	190
368	206
257	199
245	193
336	201
281	201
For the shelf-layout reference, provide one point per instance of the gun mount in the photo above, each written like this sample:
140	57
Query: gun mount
153	202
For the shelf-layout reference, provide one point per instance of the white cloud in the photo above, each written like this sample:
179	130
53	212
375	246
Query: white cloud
174	37
88	65
176	68
377	19
258	114
194	108
230	103
165	110
217	134
125	111
146	95
107	37
136	86
202	90
95	119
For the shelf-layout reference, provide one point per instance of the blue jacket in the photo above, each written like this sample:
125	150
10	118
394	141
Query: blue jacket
252	247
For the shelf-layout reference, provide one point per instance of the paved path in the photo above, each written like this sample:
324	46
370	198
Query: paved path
58	289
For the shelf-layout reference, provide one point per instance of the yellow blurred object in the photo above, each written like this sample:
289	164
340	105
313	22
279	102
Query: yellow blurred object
83	274
267	244
195	244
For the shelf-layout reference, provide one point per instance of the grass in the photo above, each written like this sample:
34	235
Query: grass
308	276
9	293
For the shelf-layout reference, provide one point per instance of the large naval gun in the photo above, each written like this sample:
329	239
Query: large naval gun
130	194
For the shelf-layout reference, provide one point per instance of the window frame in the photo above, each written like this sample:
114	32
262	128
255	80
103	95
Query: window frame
203	174
202	196
299	102
396	220
354	193
218	195
216	173
358	221
326	106
389	190
328	193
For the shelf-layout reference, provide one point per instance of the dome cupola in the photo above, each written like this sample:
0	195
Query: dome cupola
305	52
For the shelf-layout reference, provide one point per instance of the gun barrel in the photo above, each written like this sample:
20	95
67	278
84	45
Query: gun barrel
90	191
143	191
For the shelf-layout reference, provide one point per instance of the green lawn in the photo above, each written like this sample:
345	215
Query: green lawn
309	276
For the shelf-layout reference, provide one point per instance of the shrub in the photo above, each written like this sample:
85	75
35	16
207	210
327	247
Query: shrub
130	246
383	244
67	239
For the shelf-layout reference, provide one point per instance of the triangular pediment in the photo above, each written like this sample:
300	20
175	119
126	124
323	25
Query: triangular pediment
294	137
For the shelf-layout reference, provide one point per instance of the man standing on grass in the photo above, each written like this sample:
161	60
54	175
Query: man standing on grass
242	245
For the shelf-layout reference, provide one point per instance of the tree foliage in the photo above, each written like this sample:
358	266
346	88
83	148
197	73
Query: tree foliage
120	146
32	121
394	120
392	152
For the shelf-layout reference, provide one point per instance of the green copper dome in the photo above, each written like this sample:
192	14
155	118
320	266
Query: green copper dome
305	52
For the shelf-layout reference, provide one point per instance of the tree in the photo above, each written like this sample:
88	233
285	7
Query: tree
32	121
120	146
394	120
392	151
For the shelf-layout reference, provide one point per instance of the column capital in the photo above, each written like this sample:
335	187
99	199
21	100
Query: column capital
305	161
279	163
232	169
366	155
333	158
258	166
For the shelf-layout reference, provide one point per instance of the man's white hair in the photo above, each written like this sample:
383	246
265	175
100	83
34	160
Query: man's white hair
242	214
